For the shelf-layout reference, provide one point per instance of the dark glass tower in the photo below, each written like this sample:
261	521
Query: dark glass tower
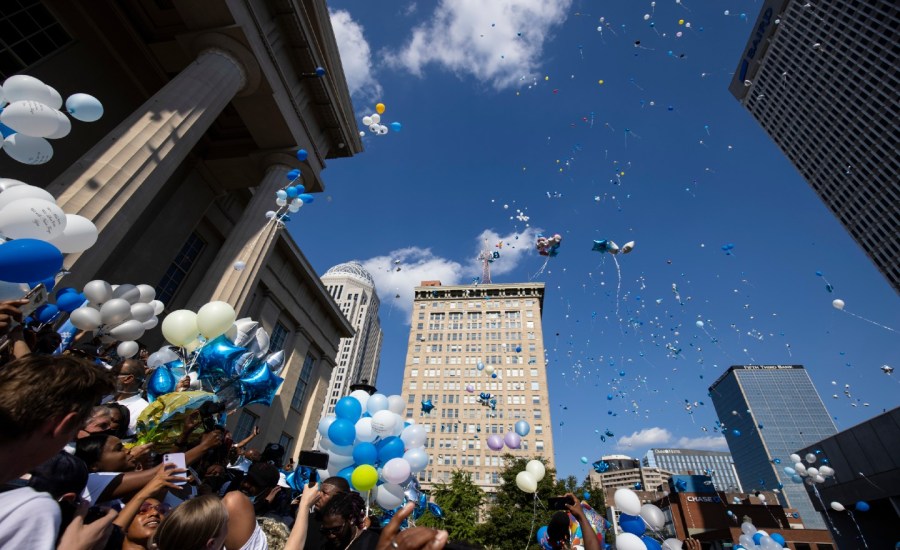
769	412
821	79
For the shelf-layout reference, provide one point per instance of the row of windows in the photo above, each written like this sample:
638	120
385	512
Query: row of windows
476	304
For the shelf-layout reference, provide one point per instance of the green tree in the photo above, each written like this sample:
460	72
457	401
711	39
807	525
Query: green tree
461	500
514	517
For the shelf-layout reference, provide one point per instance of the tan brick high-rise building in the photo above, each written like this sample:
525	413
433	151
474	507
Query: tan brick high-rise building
454	328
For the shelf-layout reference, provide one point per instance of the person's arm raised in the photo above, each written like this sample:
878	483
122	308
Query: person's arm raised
297	539
588	535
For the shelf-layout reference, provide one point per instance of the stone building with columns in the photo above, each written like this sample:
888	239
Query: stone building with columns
205	105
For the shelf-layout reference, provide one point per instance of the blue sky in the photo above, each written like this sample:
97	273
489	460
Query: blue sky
504	117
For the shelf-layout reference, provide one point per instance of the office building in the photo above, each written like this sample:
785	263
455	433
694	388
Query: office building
767	412
624	471
716	464
821	79
867	469
353	288
205	105
460	337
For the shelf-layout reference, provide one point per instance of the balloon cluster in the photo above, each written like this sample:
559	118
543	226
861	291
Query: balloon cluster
67	300
116	312
373	122
753	539
807	473
30	116
527	480
606	245
371	446
634	520
512	439
38	231
411	493
231	357
548	246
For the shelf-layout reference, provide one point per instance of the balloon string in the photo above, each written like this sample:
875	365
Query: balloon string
533	516
619	285
825	508
541	270
861	536
868	320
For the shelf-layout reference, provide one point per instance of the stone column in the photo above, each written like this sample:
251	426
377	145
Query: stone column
250	241
116	179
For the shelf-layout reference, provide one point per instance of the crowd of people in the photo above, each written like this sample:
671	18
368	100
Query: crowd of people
75	477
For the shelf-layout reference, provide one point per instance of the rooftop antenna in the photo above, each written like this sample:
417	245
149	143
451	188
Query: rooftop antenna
486	257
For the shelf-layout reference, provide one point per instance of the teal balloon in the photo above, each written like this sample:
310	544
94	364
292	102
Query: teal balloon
26	260
396	126
216	358
260	386
522	428
348	408
388	448
306	198
161	382
342	432
365	453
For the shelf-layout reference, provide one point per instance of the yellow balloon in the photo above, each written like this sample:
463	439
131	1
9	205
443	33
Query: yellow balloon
681	21
600	81
379	108
364	477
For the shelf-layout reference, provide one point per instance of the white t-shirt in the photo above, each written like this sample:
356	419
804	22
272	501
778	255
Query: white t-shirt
257	540
136	404
28	519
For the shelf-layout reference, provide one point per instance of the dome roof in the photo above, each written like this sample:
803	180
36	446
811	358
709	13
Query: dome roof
353	269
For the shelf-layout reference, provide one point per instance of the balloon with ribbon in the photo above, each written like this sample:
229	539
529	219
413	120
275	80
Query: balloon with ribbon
260	386
427	406
215	360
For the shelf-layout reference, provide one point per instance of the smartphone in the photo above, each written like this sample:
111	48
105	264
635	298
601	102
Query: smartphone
314	460
559	503
94	513
178	460
36	297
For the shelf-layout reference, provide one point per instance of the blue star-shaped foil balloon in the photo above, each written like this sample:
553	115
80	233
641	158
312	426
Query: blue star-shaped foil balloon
427	406
601	246
600	466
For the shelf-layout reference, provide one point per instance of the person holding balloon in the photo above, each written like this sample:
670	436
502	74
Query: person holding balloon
568	530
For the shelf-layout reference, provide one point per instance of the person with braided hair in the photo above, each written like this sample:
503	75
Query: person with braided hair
342	524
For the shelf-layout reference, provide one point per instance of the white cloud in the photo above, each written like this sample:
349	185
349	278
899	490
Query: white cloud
500	41
705	443
417	264
356	55
644	438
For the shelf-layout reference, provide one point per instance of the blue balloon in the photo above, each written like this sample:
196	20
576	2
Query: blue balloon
632	524
320	72
396	126
5	130
46	313
757	537
292	192
161	382
789	471
260	386
609	397
518	349
435	510
348	408
736	432
493	375
342	432
25	260
541	534
522	428
346	473
480	366
862	506
48	283
306	198
293	174
302	155
388	448
216	359
69	301
84	107
796	478
651	543
778	538
365	453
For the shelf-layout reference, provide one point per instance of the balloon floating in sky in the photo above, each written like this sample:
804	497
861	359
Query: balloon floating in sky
887	369
373	122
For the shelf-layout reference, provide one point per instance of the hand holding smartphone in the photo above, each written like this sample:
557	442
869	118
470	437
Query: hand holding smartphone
178	460
560	503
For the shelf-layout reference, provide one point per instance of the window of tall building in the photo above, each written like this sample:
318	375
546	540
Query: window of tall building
28	33
285	441
303	382
245	425
179	268
277	338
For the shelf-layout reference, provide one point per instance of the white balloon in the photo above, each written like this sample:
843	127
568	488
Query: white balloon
324	424
389	496
129	293
142	312
376	118
239	265
536	469
21	87
837	506
812	472
364	432
97	292
28	149
383	421
84	107
12	291
30	118
627	541
396	470
339	461
147	292
24	191
627	501
6	183
526	482
115	311
672	544
414	436
819	478
396	404
362	396
653	516
838	304
367	120
55	100
179	328
161	357
748	528
31	219
127	350
86	318
79	234
417	458
376	402
158	307
64	128
811	458
826	471
215	318
128	330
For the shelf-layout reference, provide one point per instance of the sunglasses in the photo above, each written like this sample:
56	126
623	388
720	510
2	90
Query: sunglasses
162	508
331	530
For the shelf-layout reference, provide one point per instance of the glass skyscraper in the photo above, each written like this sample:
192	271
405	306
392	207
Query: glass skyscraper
768	412
716	464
